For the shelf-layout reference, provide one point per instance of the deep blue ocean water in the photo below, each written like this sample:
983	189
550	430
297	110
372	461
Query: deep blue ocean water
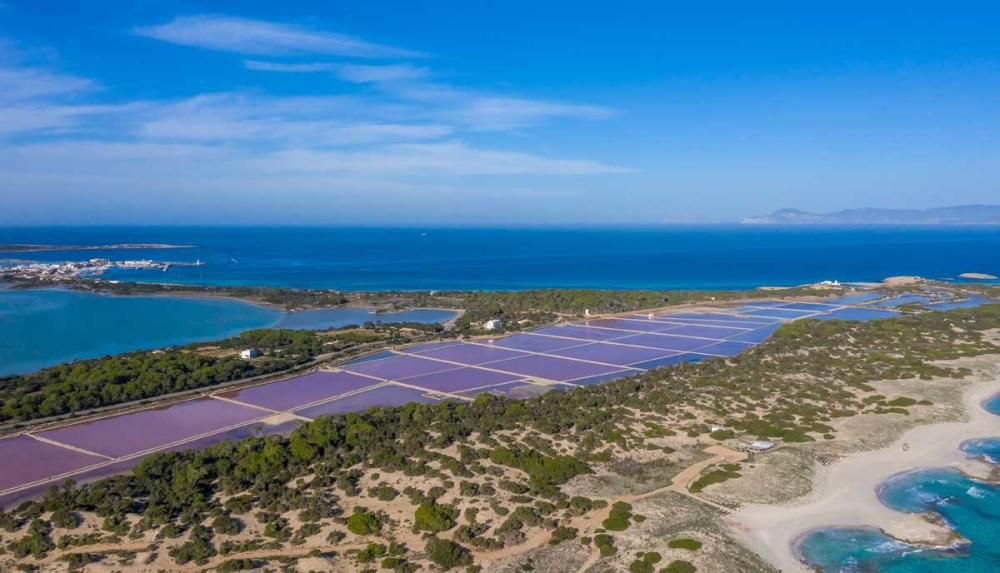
41	328
969	506
710	257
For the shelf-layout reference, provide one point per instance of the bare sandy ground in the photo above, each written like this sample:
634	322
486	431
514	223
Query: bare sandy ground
844	494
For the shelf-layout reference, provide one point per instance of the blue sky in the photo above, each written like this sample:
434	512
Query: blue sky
483	113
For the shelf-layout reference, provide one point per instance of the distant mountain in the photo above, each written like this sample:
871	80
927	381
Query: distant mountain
957	215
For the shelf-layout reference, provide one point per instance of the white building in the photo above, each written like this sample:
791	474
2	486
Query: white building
493	324
249	353
758	446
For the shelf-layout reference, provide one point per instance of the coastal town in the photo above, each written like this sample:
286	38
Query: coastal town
15	269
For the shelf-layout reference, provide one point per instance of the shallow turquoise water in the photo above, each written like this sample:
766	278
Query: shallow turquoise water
40	328
969	506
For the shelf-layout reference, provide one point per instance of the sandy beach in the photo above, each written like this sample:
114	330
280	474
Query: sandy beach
844	494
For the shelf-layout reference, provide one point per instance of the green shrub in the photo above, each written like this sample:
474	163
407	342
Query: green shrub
434	517
722	435
618	520
605	544
685	543
679	567
447	554
561	534
363	523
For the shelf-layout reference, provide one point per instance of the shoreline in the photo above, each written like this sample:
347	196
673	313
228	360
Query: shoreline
845	494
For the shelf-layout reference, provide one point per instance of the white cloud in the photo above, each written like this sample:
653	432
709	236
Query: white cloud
448	158
490	112
26	83
500	113
261	66
360	74
35	100
253	119
261	38
25	118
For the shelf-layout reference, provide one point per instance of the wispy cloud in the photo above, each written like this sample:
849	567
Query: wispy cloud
359	74
499	113
262	38
262	120
34	100
308	68
27	83
444	158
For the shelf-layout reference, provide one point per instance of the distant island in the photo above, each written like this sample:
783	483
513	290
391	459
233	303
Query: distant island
956	215
28	248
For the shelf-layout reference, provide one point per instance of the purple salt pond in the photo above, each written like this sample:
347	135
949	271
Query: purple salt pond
706	331
724	319
26	460
518	390
776	313
460	379
637	324
388	395
424	347
301	390
535	342
665	341
551	368
472	353
727	348
400	366
613	353
602	378
380	355
810	306
755	336
126	434
670	361
580	332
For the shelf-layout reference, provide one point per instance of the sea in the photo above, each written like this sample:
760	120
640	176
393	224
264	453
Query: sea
667	257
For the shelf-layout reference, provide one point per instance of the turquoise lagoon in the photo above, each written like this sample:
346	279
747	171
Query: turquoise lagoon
971	507
40	328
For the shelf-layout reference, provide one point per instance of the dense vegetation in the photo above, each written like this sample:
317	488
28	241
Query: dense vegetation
790	386
123	378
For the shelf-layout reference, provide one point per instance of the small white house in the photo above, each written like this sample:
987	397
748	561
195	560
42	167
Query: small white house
492	324
759	446
249	353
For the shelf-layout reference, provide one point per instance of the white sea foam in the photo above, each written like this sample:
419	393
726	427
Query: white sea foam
976	492
888	546
850	565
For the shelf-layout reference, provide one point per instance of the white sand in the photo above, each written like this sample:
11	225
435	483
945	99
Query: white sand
844	494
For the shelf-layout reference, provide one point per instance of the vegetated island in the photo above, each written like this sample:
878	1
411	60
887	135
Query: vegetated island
632	475
29	248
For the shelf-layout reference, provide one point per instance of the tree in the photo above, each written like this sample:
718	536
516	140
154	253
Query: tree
447	554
